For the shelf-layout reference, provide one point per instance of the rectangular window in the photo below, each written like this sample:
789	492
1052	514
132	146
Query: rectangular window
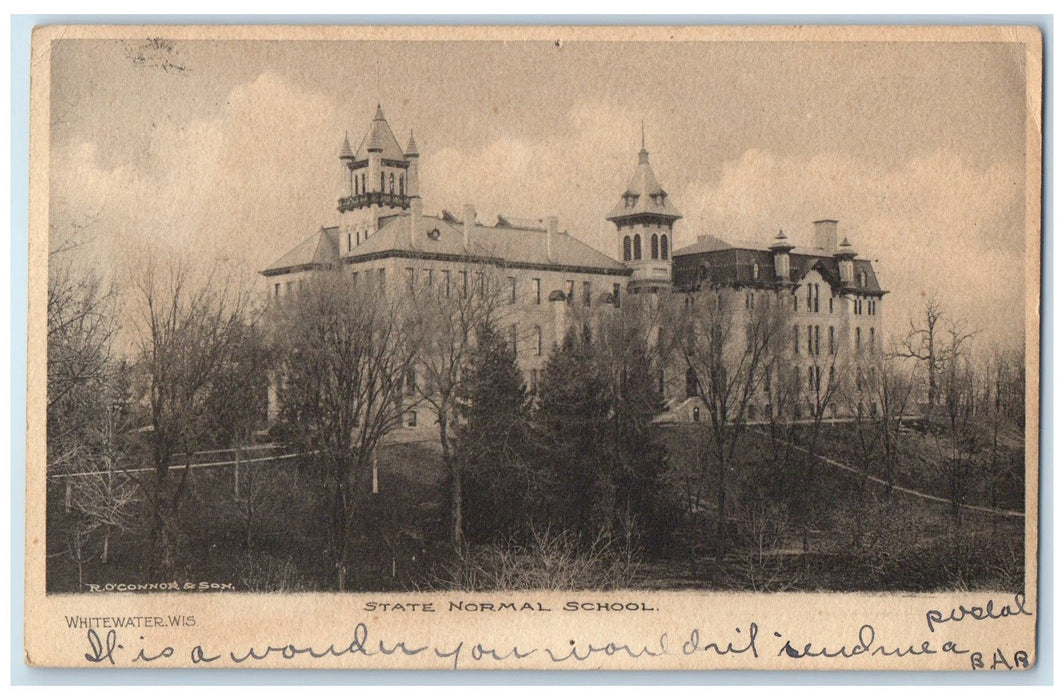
809	297
288	287
818	378
809	339
858	343
811	379
816	339
617	295
768	381
513	338
537	291
796	340
410	279
479	289
794	295
860	380
382	276
349	242
533	381
428	277
277	289
465	284
831	304
538	338
354	279
871	339
587	294
513	289
568	291
816	298
831	339
411	419
446	283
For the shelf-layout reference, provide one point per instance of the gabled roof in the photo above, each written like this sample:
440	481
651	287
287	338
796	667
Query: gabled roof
644	194
379	139
320	250
514	246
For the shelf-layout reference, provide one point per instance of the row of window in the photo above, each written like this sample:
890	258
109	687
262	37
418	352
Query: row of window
863	306
798	411
356	239
812	340
358	184
659	247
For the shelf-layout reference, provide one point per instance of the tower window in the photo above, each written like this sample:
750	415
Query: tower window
536	290
638	244
664	247
627	248
654	246
402	189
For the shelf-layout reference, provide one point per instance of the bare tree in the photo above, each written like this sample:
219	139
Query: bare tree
188	334
446	321
343	361
924	343
727	351
959	442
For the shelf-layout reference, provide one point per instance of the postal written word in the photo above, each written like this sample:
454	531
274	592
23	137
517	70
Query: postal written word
110	648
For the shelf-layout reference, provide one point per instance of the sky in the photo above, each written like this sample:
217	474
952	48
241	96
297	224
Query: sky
224	153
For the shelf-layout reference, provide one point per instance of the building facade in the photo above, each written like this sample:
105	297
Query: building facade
548	279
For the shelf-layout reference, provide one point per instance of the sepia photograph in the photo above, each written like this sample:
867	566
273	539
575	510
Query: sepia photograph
432	312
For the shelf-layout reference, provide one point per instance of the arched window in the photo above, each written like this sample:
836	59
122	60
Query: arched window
654	246
391	183
664	247
402	189
627	248
638	253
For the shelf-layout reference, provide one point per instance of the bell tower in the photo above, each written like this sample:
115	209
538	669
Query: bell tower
377	182
644	217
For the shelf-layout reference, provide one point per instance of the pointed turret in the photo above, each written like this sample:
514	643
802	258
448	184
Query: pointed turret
345	149
644	217
411	146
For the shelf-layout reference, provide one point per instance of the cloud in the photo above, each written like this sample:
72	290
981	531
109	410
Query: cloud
235	189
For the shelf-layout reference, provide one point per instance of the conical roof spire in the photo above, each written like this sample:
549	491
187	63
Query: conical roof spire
411	146
345	148
379	139
644	157
644	194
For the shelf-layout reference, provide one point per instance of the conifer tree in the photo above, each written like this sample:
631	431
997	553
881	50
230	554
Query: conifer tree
498	487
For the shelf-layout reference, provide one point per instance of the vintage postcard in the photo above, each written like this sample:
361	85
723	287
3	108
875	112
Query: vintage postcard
534	347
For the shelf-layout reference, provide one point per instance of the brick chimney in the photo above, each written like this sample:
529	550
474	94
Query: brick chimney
416	225
826	236
469	220
552	231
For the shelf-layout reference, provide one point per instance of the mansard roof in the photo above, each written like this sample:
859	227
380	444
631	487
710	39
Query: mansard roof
379	139
644	195
319	251
714	262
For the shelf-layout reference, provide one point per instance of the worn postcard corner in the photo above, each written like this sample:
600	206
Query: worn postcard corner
534	347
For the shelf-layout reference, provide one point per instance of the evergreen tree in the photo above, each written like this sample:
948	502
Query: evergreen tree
498	487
